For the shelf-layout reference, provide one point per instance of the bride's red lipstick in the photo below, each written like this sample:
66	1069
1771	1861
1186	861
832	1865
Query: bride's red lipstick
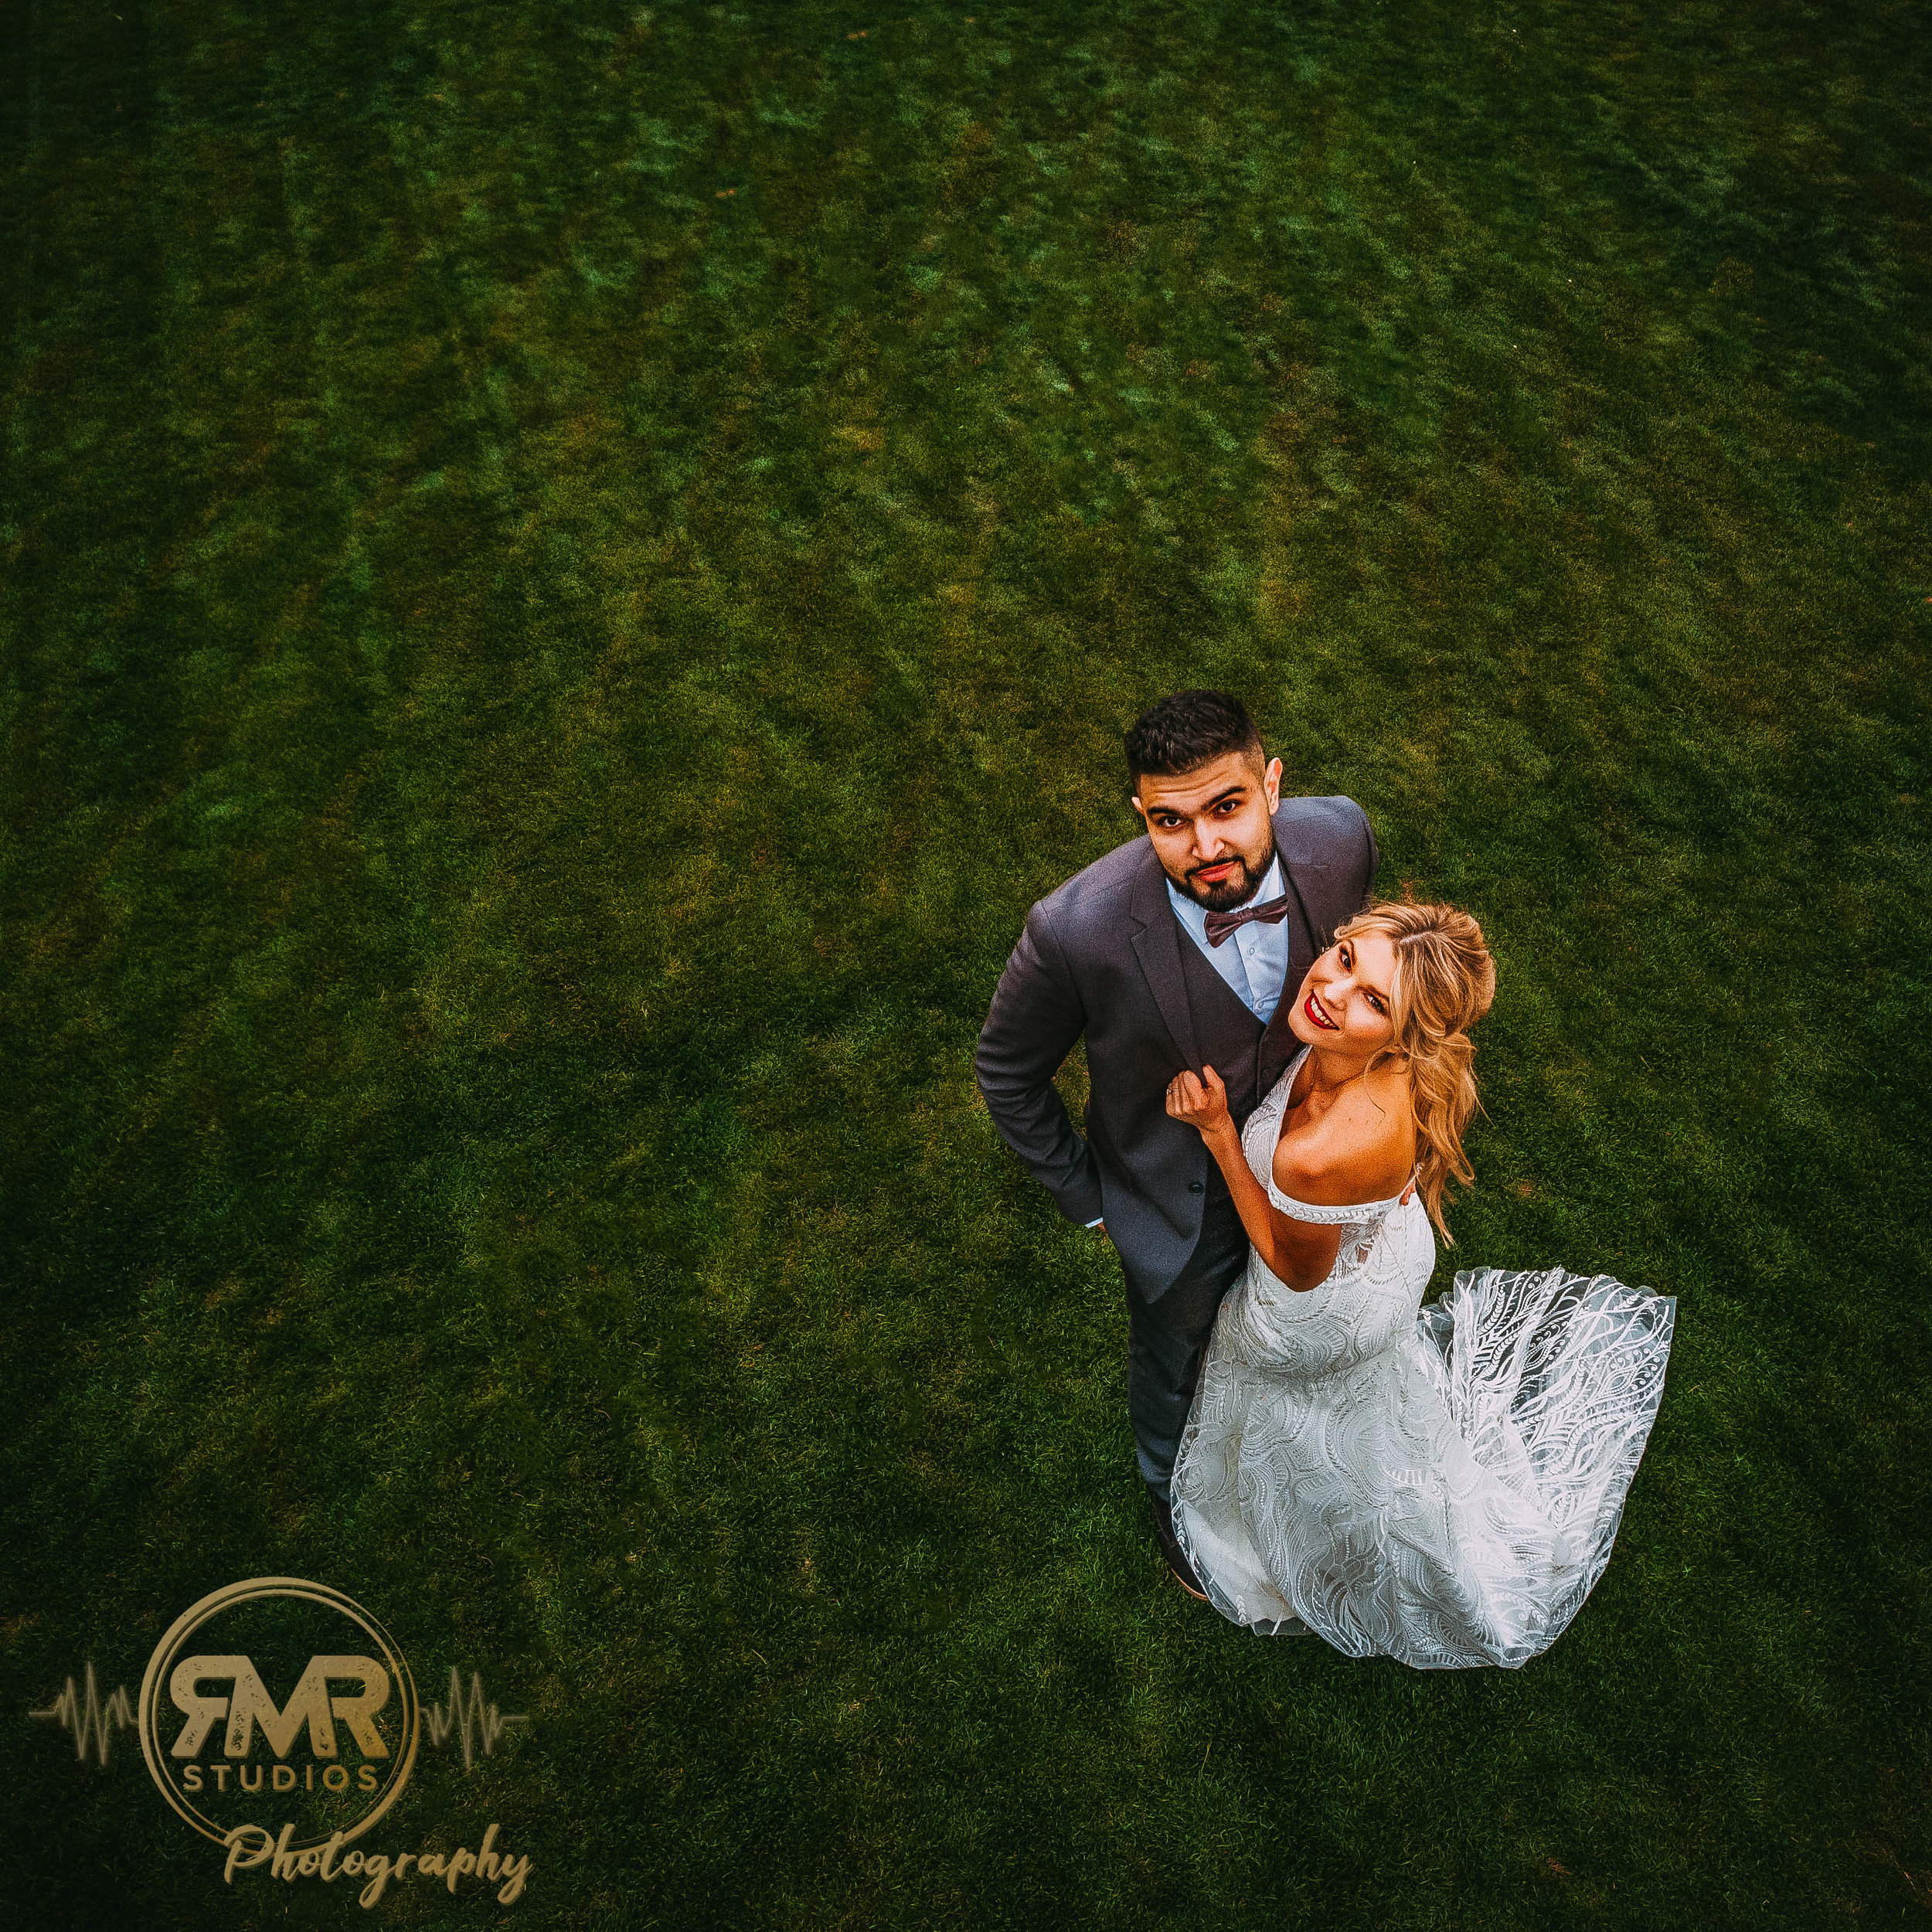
1319	1017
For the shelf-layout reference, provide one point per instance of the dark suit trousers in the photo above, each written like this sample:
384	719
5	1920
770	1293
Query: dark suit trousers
1168	1337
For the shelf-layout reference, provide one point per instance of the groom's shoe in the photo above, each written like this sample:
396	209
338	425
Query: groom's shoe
1170	1546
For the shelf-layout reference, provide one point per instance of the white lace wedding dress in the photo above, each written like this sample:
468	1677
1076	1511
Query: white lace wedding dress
1440	1486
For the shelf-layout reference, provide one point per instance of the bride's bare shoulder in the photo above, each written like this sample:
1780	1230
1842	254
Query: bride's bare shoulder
1363	1149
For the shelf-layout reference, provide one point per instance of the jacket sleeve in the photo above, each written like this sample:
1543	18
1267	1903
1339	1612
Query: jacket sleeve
1374	858
1036	1019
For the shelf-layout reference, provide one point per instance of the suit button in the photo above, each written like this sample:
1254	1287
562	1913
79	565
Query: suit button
1197	1187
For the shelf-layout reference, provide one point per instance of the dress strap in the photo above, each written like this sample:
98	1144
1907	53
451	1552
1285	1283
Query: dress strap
1330	1216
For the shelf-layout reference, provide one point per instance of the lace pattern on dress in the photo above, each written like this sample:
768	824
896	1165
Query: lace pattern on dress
1441	1485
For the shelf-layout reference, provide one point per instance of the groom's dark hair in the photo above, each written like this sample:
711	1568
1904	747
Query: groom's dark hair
1188	730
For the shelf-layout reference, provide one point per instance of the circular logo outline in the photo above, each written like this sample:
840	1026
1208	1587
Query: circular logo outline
230	1597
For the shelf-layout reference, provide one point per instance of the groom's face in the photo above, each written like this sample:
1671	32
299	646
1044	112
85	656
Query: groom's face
1212	827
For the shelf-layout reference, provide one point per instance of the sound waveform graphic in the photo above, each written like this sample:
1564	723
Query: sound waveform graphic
92	1722
474	1721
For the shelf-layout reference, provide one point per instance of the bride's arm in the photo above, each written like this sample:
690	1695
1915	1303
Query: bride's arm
1299	1253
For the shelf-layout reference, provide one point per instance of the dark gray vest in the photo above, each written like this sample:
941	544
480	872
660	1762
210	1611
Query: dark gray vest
1249	1057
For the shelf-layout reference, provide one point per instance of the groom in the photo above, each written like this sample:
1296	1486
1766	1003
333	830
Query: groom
1179	951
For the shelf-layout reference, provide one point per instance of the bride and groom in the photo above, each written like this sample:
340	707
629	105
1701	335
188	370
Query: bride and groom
1280	1075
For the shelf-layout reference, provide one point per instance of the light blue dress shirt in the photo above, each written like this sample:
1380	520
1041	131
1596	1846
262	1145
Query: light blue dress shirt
1253	959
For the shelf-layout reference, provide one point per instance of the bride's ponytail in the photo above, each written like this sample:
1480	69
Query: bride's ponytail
1444	983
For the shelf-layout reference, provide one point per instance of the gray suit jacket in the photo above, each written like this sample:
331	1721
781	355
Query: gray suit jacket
1101	956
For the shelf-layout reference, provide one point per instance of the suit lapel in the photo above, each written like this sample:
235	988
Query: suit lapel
1279	1043
1158	941
1301	949
1305	939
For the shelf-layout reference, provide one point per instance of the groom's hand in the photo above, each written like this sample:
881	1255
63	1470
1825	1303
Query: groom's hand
1202	1102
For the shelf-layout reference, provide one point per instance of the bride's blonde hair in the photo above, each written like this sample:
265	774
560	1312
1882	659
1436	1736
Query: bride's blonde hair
1445	980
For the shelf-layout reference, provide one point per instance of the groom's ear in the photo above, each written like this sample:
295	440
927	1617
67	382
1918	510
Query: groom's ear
1270	785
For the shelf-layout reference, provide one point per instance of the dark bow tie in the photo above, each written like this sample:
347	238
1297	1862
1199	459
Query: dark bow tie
1220	924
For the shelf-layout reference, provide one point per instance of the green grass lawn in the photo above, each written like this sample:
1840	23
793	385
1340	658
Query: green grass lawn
569	571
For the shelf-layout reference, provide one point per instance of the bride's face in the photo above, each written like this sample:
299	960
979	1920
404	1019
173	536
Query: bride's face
1345	999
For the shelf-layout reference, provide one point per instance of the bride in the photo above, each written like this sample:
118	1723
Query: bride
1440	1486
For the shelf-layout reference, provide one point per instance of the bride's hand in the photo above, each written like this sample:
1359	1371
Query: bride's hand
1202	1103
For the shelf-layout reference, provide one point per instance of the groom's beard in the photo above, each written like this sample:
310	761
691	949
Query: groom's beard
1236	890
